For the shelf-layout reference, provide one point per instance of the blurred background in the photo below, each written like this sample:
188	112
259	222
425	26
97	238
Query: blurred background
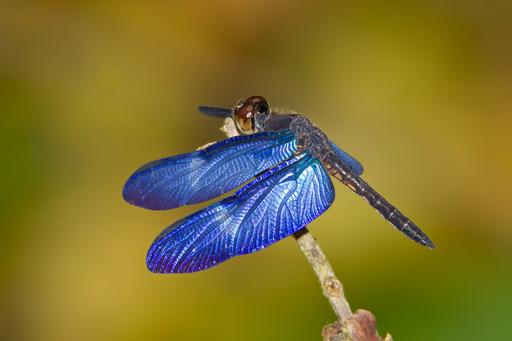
418	91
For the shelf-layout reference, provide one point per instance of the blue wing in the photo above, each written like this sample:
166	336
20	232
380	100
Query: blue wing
350	161
271	207
205	174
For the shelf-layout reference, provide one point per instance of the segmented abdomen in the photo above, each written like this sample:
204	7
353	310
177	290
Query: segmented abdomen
384	207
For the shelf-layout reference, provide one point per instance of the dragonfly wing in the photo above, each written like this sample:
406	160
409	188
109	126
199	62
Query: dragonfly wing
215	111
350	161
205	174
268	209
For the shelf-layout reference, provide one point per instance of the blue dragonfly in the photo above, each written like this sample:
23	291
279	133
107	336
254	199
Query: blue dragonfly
284	162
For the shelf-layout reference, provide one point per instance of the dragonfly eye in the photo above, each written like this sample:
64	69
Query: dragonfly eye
262	108
244	122
245	112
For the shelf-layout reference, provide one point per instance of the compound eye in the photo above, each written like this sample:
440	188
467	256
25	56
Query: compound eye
262	108
245	112
244	118
244	125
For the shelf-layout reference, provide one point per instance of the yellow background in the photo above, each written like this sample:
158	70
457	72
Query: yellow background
420	92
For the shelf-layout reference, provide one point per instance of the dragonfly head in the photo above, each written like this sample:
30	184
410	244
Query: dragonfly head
250	114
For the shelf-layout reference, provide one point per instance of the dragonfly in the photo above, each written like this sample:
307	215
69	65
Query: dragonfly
284	163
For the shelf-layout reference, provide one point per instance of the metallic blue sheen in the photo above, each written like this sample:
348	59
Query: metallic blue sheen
205	174
266	210
350	161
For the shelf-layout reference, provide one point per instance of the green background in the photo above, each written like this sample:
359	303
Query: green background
419	92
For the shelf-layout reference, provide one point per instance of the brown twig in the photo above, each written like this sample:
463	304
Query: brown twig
358	326
331	286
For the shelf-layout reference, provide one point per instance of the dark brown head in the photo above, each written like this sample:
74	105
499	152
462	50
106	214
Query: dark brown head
246	112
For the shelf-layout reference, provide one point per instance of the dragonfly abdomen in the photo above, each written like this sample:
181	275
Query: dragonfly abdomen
377	201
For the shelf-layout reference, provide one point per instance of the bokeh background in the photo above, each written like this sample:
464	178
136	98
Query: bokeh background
419	91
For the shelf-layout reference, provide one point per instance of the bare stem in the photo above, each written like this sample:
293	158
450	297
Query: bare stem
331	285
359	326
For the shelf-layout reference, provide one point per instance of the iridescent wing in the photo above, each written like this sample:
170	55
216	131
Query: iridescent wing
350	161
271	207
205	174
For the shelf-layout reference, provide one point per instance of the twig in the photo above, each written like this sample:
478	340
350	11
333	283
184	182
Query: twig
331	286
358	326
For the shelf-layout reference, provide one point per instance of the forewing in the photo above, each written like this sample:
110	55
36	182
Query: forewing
271	207
215	111
205	174
350	161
